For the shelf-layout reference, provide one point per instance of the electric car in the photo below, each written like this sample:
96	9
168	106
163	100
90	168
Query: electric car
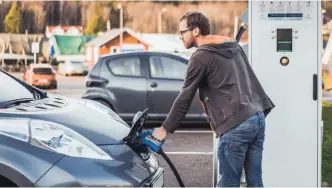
50	140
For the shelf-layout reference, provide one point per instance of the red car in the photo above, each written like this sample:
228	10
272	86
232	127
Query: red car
41	76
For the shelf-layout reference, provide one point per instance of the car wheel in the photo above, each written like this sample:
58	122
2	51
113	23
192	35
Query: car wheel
104	103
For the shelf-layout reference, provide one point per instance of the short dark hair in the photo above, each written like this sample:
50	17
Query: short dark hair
197	19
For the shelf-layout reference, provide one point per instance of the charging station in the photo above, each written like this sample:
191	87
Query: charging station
284	50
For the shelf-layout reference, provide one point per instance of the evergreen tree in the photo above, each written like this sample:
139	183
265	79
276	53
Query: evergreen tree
13	19
96	22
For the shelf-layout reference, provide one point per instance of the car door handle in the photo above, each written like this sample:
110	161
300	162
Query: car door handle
315	87
154	84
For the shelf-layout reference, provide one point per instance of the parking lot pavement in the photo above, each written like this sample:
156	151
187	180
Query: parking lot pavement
192	154
71	86
195	170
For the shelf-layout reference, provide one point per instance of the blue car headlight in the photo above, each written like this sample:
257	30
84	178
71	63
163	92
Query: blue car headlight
53	137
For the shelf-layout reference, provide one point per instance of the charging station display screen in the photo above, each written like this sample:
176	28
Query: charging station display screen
284	40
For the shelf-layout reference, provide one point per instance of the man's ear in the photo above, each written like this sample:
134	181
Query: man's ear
196	32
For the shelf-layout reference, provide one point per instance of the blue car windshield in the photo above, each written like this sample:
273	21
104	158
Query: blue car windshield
12	90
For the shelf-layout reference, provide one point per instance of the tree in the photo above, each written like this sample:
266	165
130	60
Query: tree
52	10
13	19
96	22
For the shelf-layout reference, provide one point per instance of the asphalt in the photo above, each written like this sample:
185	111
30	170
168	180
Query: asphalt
192	155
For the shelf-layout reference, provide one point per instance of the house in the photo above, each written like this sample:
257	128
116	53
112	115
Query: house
63	30
164	42
68	47
109	42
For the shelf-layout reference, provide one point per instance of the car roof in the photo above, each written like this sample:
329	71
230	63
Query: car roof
41	66
179	54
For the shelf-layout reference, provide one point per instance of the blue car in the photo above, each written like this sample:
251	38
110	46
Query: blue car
50	140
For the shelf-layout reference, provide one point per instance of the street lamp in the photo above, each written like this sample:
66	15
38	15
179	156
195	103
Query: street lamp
121	25
160	12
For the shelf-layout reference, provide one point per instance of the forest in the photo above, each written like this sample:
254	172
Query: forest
32	17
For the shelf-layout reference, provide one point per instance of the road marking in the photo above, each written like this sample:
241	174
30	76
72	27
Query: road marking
188	153
193	132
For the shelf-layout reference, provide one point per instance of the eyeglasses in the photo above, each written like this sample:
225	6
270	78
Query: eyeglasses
184	31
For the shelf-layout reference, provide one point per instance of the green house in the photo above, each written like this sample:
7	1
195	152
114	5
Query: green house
64	47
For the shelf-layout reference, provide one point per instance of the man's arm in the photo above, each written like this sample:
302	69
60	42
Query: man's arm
195	73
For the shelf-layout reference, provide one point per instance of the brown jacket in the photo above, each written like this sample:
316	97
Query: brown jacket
227	85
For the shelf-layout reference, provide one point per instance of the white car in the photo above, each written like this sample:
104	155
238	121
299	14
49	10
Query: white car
73	68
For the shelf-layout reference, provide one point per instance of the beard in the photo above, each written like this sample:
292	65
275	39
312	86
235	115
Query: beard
189	44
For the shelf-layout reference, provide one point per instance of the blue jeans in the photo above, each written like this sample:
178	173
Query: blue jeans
242	147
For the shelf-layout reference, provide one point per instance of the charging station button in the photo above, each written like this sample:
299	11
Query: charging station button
284	61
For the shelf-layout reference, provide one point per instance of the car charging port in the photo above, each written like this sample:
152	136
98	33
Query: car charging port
142	150
133	138
141	143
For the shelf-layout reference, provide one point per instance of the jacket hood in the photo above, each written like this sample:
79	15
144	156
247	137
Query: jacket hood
222	45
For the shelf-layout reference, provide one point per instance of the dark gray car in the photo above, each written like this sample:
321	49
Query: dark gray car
49	140
131	81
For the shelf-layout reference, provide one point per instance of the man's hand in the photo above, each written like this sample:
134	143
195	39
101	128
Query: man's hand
159	134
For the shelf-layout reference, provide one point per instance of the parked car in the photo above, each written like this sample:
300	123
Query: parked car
73	68
41	75
50	140
127	82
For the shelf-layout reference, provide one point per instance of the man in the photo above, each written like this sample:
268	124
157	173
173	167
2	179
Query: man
232	97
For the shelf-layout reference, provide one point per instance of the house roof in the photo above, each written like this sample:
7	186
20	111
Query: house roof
112	34
69	45
50	28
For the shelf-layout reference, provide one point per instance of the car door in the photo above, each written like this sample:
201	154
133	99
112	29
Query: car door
126	84
166	78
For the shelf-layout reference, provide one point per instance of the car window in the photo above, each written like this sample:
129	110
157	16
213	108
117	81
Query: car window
125	66
165	67
12	90
47	71
77	62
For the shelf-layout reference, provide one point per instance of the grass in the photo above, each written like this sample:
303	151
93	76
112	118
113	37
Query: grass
327	144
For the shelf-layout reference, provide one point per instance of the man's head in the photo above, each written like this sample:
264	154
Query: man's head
192	26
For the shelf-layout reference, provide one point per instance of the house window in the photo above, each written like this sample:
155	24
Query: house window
115	49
